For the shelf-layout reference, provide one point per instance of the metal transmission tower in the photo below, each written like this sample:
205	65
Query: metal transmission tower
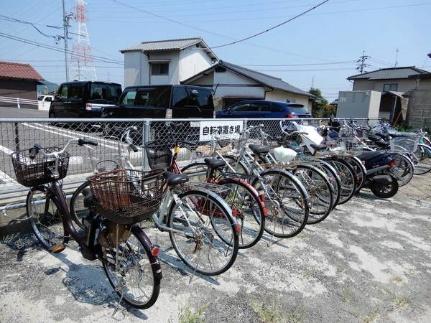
82	64
362	63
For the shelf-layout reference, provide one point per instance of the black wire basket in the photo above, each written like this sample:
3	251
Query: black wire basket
39	170
159	155
127	196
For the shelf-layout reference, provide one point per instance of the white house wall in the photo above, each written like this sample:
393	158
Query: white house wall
173	77
282	96
193	60
135	69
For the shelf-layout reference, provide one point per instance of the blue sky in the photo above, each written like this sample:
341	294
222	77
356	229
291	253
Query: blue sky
320	47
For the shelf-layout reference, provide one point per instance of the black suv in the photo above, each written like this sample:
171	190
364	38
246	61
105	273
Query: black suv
84	99
163	101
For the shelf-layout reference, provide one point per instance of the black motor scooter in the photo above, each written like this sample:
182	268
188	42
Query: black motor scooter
378	179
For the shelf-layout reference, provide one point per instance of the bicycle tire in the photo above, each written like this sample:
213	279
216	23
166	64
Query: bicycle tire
316	198
47	222
404	170
347	176
422	153
77	213
194	240
153	263
300	200
253	229
359	170
334	179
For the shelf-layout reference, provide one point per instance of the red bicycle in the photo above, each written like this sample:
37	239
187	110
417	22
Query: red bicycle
248	207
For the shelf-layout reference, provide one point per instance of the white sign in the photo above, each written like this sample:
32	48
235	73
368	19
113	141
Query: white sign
220	129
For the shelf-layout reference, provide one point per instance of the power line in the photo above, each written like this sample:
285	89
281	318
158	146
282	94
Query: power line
305	64
46	46
273	27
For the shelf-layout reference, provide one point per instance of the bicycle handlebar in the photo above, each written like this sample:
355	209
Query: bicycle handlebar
39	149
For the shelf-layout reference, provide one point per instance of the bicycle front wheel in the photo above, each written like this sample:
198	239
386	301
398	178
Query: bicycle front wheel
45	218
422	159
203	232
320	192
347	176
132	270
286	200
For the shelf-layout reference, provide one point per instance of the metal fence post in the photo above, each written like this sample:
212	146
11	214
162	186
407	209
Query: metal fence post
145	140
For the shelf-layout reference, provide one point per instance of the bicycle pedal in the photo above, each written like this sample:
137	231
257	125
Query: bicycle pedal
57	248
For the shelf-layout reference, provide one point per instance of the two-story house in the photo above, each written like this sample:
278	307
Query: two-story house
396	85
166	61
191	61
397	79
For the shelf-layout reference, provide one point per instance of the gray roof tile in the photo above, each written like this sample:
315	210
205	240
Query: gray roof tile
390	73
268	80
171	44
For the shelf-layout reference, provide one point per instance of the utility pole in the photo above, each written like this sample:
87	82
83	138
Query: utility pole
396	57
362	65
66	26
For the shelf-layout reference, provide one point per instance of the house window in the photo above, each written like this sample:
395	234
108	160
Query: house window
159	68
390	87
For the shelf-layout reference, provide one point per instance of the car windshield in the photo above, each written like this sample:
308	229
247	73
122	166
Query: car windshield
192	97
297	108
106	92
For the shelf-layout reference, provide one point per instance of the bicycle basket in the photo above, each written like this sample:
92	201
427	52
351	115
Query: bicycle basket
404	144
39	170
127	196
159	155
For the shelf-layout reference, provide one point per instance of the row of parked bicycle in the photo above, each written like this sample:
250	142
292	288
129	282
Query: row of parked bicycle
233	192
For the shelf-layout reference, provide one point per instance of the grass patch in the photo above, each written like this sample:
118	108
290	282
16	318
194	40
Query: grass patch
188	315
371	317
267	313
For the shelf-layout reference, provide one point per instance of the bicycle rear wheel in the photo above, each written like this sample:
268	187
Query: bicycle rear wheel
286	200
132	270
203	232
45	218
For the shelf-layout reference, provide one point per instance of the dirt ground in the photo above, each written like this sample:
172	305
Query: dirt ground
370	261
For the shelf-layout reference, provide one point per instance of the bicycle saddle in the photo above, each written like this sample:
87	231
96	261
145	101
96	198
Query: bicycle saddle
259	149
214	163
176	179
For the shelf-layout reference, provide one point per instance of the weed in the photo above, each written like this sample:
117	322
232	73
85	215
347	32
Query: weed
267	313
188	315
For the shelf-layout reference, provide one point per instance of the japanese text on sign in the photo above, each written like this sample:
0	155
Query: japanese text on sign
221	129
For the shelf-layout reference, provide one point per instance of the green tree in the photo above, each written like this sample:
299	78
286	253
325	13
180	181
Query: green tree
321	108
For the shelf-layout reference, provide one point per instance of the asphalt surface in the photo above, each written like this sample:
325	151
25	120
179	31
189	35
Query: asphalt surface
14	112
370	261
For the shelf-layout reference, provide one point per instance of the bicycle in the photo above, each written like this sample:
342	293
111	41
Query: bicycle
246	203
128	257
285	196
196	217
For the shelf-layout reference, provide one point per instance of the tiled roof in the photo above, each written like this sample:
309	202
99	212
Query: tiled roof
268	80
170	44
390	73
19	71
264	79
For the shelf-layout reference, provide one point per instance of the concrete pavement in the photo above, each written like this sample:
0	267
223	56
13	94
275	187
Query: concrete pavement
370	261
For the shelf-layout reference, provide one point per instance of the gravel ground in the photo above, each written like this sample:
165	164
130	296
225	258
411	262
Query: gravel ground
369	261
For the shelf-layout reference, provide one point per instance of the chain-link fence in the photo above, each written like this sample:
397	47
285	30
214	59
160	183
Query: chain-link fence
113	138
